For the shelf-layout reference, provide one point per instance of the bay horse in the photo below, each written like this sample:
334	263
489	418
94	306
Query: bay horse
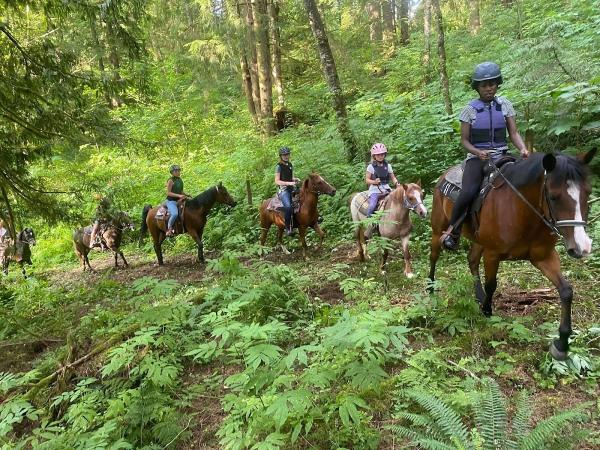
307	216
19	251
395	221
110	233
194	218
547	201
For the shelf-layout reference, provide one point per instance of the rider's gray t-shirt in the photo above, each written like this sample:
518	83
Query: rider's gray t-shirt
377	189
469	114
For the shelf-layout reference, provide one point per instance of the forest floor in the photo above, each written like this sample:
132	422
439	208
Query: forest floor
516	357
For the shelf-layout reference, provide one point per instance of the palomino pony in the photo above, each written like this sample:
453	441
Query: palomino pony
395	222
194	219
306	217
18	252
539	200
111	234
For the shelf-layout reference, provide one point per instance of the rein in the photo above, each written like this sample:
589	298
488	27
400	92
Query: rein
551	223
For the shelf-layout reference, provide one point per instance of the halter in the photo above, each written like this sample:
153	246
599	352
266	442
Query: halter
551	223
410	206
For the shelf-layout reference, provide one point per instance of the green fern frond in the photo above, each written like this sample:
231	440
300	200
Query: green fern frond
490	415
446	418
423	440
424	421
521	422
552	428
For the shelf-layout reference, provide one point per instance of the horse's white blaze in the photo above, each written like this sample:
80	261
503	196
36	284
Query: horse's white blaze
582	240
421	205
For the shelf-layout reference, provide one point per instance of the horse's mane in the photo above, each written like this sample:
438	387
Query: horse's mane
207	197
526	171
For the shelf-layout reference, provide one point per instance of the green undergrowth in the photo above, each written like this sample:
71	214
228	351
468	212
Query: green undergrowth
326	355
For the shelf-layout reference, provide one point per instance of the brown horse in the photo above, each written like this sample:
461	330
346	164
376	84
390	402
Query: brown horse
18	252
538	200
306	217
395	222
194	219
111	234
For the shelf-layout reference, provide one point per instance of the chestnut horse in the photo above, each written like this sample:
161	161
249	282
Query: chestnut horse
111	234
18	252
395	221
194	218
536	202
306	217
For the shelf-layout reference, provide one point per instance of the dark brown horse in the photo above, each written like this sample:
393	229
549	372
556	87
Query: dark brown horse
111	235
194	218
18	252
555	191
306	217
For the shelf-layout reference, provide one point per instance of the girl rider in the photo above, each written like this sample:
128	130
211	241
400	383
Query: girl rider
483	127
379	173
174	193
284	178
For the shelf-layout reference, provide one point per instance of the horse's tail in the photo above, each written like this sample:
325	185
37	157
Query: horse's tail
144	225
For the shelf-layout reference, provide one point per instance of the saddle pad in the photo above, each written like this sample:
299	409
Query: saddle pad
454	175
361	201
276	205
161	212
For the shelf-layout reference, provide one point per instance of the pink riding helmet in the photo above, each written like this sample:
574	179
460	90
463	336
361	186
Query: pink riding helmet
378	149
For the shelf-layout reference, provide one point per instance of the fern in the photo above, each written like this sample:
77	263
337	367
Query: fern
490	414
552	429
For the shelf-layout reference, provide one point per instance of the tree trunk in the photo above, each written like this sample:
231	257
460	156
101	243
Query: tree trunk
374	12
474	19
404	36
247	85
263	58
113	57
99	55
276	50
330	72
252	61
388	22
442	54
427	35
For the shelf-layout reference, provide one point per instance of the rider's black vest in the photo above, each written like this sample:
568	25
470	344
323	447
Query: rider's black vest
286	171
381	171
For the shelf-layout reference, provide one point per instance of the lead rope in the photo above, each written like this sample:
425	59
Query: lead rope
522	197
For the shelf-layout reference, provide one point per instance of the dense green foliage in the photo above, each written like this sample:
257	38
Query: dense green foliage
257	350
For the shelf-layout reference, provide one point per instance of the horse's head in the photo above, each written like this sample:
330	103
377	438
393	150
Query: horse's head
223	196
27	236
567	192
413	199
122	221
317	184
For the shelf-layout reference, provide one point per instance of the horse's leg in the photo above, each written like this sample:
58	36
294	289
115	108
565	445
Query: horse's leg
550	267
156	238
280	241
321	234
384	259
197	237
490	264
23	270
87	260
434	255
439	222
123	258
264	230
407	257
302	236
474	258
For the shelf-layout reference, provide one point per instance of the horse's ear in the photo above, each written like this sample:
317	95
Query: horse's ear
549	162
419	182
220	184
404	186
587	157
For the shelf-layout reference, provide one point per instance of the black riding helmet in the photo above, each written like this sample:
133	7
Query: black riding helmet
486	71
284	151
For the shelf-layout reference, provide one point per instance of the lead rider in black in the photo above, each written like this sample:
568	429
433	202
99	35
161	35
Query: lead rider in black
483	126
284	178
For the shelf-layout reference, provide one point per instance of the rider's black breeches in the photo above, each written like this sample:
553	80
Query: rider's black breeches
471	182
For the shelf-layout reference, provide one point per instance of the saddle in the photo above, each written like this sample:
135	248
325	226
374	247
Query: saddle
361	201
162	216
451	185
275	203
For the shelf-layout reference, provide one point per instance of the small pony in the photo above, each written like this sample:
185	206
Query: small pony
307	215
18	252
395	223
110	233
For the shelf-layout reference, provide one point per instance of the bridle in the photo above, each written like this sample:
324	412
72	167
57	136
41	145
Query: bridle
551	222
410	206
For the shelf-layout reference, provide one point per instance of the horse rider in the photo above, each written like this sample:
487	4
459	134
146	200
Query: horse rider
378	176
105	212
484	123
174	195
285	180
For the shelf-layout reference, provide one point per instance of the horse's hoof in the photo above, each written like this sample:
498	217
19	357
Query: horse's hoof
557	354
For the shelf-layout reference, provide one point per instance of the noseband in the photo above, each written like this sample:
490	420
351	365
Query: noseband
410	206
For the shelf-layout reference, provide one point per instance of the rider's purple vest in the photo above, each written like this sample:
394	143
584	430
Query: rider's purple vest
489	129
381	171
